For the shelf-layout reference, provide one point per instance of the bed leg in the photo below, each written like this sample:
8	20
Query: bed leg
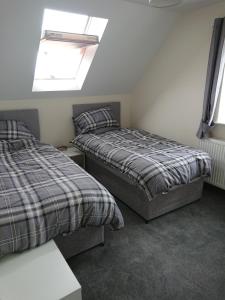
147	221
102	244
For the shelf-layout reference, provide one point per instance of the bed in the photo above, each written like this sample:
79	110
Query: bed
44	195
148	204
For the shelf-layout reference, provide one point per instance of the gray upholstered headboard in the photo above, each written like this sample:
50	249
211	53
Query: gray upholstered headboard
28	116
80	108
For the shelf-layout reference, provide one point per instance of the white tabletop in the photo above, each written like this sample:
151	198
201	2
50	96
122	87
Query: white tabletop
72	151
41	273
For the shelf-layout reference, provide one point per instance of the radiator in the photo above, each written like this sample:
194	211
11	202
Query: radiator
216	150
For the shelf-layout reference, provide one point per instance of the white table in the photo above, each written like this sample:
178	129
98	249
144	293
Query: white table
72	151
38	274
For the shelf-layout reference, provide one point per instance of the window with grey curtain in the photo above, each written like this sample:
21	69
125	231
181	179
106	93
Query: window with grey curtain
214	77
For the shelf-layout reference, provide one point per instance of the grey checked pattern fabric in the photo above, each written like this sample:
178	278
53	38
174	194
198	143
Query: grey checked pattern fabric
153	163
95	119
43	193
13	130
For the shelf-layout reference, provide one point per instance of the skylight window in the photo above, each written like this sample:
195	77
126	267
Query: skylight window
220	115
67	48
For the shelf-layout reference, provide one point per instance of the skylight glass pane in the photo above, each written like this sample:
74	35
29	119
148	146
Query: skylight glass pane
62	63
67	57
64	21
97	27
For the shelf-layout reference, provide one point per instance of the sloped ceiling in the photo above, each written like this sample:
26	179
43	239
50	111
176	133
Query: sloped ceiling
132	37
185	5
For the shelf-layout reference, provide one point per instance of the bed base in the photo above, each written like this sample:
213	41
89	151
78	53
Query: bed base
80	241
124	189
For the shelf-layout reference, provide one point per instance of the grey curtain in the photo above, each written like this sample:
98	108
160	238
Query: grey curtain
214	77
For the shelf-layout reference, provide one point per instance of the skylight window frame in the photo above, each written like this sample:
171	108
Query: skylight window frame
88	47
68	37
220	110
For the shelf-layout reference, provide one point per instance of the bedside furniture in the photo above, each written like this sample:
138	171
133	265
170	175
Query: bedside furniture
40	273
76	155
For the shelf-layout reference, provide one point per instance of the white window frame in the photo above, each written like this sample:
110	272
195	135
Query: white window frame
220	110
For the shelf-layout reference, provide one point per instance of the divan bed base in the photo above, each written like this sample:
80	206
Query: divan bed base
124	189
80	241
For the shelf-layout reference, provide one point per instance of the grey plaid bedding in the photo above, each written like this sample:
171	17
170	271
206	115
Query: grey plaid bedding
14	130
43	194
95	119
153	163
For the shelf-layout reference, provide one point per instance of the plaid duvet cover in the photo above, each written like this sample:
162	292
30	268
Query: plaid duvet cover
153	163
43	194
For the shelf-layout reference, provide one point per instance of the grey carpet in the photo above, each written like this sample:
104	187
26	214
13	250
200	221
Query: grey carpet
178	256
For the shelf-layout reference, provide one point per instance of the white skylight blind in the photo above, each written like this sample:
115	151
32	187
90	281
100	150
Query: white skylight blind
67	48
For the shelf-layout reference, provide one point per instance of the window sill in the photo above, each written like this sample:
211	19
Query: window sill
218	132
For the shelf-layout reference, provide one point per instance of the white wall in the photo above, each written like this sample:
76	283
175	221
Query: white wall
115	68
56	114
168	100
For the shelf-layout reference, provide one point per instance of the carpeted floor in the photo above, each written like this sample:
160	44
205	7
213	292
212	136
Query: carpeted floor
178	256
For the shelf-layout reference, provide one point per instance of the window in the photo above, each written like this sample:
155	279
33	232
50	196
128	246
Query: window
220	114
67	47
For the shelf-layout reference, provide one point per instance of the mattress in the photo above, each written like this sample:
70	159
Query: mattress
153	163
43	194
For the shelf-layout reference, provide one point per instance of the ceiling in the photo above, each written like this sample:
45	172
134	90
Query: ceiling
128	44
133	36
186	4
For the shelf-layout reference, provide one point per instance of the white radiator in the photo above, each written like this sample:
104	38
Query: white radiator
216	150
